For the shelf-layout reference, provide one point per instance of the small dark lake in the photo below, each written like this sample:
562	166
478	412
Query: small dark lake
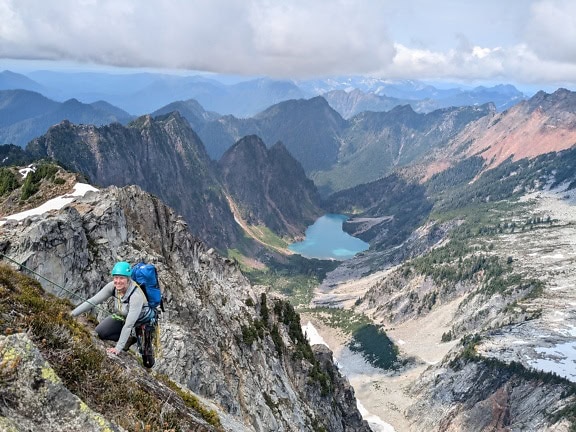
325	239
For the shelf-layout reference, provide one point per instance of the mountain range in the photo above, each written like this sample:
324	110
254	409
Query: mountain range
25	115
164	154
144	93
470	261
165	157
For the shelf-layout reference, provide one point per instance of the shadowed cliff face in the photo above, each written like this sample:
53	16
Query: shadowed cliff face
271	185
163	156
241	349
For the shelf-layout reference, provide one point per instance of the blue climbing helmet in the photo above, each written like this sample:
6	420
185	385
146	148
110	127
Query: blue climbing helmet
122	268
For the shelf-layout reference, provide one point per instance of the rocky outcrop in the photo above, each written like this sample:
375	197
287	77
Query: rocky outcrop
543	124
220	339
33	396
484	396
500	301
375	144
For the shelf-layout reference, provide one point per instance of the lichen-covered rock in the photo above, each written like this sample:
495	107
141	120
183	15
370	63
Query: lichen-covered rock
33	396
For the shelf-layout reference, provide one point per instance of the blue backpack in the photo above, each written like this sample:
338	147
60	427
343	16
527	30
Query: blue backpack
146	276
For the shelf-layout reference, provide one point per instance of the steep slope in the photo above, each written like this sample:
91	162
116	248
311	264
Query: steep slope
493	295
25	115
377	143
478	297
11	154
384	212
270	185
19	105
350	103
164	156
11	80
544	123
239	349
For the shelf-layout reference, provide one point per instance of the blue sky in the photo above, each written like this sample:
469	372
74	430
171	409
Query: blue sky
525	42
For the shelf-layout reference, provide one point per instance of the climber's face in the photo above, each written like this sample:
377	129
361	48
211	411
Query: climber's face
121	284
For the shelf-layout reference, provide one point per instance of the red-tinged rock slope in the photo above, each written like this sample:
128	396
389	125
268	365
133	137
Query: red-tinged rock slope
543	124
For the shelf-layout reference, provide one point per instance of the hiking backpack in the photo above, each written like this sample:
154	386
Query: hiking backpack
146	276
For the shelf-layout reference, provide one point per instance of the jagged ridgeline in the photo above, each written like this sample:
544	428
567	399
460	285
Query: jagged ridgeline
165	157
270	185
231	358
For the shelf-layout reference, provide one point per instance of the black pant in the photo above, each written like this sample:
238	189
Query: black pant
110	329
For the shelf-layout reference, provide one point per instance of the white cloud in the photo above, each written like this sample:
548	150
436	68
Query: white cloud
257	36
524	40
551	30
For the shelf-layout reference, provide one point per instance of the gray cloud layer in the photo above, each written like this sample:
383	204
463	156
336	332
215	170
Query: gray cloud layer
532	41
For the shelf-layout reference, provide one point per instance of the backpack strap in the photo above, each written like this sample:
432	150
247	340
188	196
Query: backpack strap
161	305
127	300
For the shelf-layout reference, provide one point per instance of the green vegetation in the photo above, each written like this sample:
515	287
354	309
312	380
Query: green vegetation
469	255
287	315
344	319
376	347
240	258
264	234
32	182
8	181
192	401
461	173
450	190
296	278
401	205
82	365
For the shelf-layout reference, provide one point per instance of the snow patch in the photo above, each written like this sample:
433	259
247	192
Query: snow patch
560	359
375	422
25	171
54	204
312	335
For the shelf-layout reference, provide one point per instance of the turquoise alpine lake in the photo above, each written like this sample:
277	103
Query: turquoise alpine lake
325	239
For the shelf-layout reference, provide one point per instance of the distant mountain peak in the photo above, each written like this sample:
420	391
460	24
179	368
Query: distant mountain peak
271	185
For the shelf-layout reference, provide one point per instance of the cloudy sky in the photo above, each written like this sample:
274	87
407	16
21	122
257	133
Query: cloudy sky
519	41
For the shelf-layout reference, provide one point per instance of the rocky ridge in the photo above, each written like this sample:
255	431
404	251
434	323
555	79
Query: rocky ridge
165	157
542	124
220	339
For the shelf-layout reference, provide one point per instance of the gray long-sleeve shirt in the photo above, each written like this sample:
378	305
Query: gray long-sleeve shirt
133	309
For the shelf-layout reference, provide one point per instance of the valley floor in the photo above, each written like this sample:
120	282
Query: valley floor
383	393
545	343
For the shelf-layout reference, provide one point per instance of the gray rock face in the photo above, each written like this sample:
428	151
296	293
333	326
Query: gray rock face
208	312
163	156
477	397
